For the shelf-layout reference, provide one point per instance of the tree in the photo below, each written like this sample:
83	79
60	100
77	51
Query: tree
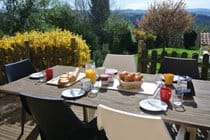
166	19
62	16
190	38
116	33
23	15
139	34
100	12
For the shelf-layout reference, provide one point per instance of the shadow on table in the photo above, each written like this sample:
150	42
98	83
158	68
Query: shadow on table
189	101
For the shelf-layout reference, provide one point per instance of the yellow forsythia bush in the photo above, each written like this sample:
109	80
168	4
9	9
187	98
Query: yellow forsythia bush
57	38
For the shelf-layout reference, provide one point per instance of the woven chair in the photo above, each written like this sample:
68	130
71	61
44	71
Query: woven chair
15	71
180	66
56	120
120	62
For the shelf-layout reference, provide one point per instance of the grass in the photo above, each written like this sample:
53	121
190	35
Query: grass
169	51
178	50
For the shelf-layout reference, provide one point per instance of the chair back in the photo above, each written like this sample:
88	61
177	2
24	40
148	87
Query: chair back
18	70
120	62
54	117
180	66
120	125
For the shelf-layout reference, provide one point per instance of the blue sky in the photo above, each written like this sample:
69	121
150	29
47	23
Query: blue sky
143	4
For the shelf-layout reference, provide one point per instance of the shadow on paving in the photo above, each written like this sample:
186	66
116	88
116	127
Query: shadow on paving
10	110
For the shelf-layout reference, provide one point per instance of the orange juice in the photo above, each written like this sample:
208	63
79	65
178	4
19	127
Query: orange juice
91	74
168	78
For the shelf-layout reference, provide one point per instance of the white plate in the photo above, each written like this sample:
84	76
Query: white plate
36	75
73	93
111	71
153	105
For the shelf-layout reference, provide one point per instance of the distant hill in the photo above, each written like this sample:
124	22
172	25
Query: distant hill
201	19
201	16
197	11
200	11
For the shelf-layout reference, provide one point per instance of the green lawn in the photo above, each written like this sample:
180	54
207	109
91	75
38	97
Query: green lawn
169	50
178	50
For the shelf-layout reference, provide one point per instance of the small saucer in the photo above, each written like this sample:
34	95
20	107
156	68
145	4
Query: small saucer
36	75
73	93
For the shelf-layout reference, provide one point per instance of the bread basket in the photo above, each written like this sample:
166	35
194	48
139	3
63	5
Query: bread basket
130	85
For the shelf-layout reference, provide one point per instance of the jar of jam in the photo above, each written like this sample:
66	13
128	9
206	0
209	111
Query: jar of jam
104	79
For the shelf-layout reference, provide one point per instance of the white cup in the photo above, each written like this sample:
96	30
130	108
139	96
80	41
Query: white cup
86	84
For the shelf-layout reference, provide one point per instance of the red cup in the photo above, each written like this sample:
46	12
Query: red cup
165	94
49	73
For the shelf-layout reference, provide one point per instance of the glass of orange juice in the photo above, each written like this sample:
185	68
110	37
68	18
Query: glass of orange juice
168	78
90	71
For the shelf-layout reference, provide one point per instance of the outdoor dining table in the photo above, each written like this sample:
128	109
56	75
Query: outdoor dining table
196	115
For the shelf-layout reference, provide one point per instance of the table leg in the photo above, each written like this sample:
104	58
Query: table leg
208	135
85	118
88	114
23	119
192	131
181	133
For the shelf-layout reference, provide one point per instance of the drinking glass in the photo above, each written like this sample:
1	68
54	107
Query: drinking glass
42	77
90	71
168	78
158	79
49	73
165	94
178	96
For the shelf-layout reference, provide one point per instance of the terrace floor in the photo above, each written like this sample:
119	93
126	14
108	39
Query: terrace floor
10	110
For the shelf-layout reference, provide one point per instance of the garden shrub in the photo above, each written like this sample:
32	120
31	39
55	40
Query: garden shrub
59	39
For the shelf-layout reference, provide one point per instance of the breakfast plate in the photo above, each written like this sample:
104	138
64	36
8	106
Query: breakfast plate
153	105
36	75
73	93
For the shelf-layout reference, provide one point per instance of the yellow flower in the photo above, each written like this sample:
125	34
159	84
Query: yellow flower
56	38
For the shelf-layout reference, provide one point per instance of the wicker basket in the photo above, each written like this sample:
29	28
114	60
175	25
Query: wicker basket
131	85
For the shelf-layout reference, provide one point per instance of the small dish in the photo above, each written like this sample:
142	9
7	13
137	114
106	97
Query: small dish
111	71
36	75
73	93
153	105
